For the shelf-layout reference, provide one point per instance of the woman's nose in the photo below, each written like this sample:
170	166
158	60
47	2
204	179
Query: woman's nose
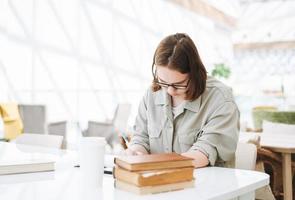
171	91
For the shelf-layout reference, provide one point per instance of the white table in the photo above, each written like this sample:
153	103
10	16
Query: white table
65	183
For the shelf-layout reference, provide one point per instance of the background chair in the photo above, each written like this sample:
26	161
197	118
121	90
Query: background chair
100	129
33	118
110	130
59	128
273	161
12	124
246	156
51	141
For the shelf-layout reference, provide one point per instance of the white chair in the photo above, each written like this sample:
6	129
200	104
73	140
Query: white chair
246	154
265	192
51	141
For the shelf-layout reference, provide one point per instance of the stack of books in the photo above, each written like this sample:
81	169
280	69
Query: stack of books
153	173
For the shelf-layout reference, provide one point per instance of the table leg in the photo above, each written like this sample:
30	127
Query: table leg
287	176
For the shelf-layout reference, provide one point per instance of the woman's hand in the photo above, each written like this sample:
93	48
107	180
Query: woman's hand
135	150
130	152
200	159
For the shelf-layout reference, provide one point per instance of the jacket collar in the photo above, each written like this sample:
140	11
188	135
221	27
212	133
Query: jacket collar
162	98
193	106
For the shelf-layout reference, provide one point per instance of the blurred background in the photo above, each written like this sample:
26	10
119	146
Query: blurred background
87	63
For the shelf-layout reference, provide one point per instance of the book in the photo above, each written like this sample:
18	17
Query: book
26	166
18	158
153	161
154	177
153	189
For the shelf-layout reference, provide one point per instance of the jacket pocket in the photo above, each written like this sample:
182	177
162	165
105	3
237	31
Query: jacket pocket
187	139
155	139
155	131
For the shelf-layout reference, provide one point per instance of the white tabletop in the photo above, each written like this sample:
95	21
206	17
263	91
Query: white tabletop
211	183
65	183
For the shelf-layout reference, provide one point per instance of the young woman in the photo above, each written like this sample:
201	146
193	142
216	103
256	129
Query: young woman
185	111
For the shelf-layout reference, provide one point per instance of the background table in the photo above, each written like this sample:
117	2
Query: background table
280	143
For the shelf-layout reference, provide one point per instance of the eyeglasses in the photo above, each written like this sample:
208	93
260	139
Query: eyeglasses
166	85
174	86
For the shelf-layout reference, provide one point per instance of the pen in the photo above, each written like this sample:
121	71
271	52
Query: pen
106	170
125	138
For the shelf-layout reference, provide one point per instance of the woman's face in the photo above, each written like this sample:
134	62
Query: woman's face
174	82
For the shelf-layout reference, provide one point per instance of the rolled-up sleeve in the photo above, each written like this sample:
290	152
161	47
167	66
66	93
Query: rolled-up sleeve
219	136
140	134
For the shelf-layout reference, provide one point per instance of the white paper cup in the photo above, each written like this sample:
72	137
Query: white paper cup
91	155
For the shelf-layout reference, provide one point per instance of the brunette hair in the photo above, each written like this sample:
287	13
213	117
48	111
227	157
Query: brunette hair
178	52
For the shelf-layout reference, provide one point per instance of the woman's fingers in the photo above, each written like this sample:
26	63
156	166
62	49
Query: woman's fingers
130	152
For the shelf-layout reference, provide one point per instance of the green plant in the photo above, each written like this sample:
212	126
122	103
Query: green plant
221	70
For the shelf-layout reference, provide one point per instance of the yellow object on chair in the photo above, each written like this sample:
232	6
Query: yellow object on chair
13	125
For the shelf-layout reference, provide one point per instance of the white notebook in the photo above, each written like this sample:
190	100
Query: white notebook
27	166
15	160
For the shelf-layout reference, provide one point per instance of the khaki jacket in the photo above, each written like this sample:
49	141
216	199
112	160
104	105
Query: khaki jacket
209	124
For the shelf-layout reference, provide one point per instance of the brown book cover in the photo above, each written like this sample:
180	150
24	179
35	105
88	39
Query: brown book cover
153	161
153	189
154	177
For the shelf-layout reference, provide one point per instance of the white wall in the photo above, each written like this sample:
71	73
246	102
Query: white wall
82	57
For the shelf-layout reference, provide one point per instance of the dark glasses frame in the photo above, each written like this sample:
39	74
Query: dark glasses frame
166	85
